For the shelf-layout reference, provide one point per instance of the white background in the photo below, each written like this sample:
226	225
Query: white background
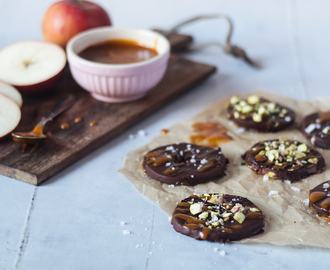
73	220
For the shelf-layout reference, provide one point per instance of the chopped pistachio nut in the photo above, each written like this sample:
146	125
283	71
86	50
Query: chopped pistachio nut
271	107
195	208
246	109
203	215
226	214
253	99
214	224
325	130
272	154
242	103
312	160
237	108
234	99
261	153
214	213
262	110
254	209
239	217
281	148
256	117
289	159
216	199
236	115
292	147
271	174
302	147
299	155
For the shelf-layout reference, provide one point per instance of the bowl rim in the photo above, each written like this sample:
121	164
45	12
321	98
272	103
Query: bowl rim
77	59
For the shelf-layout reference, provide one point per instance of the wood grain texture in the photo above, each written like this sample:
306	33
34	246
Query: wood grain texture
64	147
178	42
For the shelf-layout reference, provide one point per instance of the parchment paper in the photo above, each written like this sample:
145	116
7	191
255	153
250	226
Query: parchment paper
288	219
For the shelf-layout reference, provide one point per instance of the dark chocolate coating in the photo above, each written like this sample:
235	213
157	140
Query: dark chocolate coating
269	123
188	224
319	138
289	170
319	200
181	164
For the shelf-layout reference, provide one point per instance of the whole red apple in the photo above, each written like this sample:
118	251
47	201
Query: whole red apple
66	18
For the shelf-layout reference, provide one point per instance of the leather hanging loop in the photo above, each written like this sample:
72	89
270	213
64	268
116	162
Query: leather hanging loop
228	48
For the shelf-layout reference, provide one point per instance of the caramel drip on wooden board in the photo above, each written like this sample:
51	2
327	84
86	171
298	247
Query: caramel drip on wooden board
209	134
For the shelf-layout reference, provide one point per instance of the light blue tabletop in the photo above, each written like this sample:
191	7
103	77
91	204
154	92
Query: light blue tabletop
78	219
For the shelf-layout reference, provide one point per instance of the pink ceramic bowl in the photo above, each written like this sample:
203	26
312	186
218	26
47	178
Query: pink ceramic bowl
118	82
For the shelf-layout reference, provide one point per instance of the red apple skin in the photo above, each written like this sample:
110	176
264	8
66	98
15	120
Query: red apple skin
65	19
42	87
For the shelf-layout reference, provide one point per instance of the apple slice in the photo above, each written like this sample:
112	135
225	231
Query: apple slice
10	115
33	67
11	92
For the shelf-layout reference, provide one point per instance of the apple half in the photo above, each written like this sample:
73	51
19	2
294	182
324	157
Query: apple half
33	67
12	93
10	115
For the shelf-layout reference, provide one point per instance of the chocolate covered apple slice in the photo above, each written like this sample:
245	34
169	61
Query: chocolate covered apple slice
316	128
217	217
284	159
184	164
259	114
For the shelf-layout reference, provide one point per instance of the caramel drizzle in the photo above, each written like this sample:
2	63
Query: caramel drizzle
209	134
325	204
188	219
317	196
253	215
212	162
159	160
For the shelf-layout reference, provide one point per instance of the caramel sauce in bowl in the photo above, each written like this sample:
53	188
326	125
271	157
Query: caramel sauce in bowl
123	80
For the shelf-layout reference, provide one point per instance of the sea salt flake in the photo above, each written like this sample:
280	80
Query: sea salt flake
310	128
204	161
240	130
326	185
193	160
142	133
126	232
171	185
306	201
170	148
123	223
272	192
168	164
295	188
215	249
197	150
287	118
192	176
222	253
287	181
265	177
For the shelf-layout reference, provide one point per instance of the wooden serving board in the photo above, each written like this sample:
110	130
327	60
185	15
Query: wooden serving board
64	147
